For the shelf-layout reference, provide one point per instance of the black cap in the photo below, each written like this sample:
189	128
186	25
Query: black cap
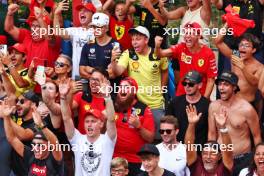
149	149
229	77
40	135
193	76
32	96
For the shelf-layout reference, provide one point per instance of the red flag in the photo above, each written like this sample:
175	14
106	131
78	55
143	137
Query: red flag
238	24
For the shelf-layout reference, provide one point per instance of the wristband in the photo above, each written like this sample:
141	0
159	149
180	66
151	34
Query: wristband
223	130
41	126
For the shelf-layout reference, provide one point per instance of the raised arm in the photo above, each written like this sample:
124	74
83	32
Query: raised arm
114	68
218	4
193	118
220	44
161	52
206	11
209	87
148	5
171	15
10	28
62	6
57	153
109	109
227	154
5	112
261	82
64	89
212	131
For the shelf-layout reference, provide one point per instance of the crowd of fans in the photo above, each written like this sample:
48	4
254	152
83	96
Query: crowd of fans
106	110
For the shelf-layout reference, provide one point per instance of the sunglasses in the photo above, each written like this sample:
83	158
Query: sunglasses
60	64
168	131
21	101
190	84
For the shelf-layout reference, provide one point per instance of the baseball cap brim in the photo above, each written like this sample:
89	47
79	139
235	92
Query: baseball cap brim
227	80
95	113
19	48
88	7
135	31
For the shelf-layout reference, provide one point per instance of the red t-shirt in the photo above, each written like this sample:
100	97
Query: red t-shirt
41	50
197	169
119	31
202	61
85	103
129	140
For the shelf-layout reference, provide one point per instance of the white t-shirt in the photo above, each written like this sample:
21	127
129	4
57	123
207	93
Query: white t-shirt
174	160
245	171
97	163
79	37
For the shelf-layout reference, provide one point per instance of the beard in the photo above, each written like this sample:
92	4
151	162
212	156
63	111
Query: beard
121	106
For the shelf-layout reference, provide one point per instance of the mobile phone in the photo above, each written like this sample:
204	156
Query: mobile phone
40	70
3	49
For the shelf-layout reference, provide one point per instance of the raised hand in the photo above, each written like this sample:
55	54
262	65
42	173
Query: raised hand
77	86
12	8
65	88
105	88
62	6
6	58
145	3
158	41
6	108
49	71
36	116
192	115
221	117
38	12
116	53
237	62
161	3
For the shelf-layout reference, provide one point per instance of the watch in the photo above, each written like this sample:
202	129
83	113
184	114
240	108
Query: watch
41	126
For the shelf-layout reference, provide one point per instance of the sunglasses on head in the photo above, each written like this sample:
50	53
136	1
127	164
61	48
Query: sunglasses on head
168	131
21	101
190	84
60	64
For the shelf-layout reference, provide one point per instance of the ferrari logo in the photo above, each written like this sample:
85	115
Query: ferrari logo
87	107
135	65
200	62
138	111
119	31
116	117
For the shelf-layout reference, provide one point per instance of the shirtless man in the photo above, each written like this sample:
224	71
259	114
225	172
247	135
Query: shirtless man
261	82
243	122
246	67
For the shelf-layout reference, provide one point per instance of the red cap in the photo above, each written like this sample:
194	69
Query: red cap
31	18
195	26
131	81
3	40
94	112
19	47
88	6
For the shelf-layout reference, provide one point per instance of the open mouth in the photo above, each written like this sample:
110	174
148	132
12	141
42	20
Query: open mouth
82	17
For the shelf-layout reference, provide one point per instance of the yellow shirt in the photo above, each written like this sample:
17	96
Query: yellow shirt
148	76
24	74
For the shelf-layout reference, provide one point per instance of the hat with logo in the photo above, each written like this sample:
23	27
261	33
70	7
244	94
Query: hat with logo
88	6
141	30
19	47
229	77
193	76
95	113
100	19
149	149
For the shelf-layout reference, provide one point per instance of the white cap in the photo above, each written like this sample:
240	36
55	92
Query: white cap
100	19
140	29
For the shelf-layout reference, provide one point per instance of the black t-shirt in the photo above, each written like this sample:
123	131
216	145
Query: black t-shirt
165	173
48	166
177	108
148	20
252	10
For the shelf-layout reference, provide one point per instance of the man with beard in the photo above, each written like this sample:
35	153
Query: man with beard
215	159
135	125
78	36
244	121
93	151
244	64
40	47
192	56
192	83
